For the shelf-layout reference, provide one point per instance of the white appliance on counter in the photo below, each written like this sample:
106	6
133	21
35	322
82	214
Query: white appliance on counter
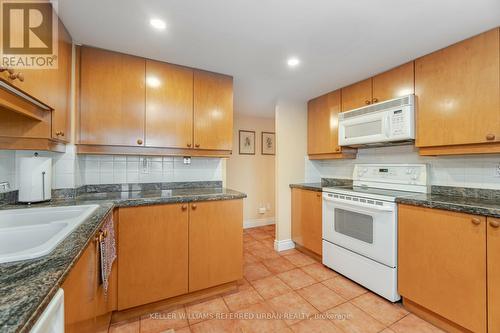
385	123
360	223
35	179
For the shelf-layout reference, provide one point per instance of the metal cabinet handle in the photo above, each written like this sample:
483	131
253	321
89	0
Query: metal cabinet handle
375	100
490	137
367	102
189	145
139	141
197	145
476	221
193	206
184	207
60	133
494	223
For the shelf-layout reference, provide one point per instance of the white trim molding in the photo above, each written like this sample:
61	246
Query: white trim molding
283	245
252	223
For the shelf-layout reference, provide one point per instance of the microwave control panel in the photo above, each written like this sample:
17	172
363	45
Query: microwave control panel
399	123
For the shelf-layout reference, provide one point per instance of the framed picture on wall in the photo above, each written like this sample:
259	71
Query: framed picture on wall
247	142
268	143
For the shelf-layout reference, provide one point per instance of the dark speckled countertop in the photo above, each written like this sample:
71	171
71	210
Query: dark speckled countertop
308	186
477	206
26	287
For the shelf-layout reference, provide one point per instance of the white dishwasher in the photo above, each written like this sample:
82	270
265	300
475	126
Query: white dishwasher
52	318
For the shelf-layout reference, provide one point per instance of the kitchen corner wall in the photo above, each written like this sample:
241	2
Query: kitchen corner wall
253	174
291	147
477	171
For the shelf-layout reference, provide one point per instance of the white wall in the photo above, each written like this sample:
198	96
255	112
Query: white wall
478	171
253	174
291	144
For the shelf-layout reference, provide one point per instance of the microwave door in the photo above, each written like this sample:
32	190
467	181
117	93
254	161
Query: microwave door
364	129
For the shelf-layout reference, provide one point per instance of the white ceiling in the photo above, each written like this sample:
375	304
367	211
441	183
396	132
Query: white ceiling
338	41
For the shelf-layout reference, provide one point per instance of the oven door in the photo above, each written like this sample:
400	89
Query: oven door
366	229
370	128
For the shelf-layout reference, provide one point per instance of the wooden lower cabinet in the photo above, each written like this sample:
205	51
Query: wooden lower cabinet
306	219
86	307
493	275
215	243
153	254
174	249
442	264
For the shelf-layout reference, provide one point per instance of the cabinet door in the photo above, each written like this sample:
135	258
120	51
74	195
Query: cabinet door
106	303
394	83
112	98
306	219
493	275
169	105
458	93
79	293
357	95
322	124
215	243
213	111
60	99
152	254
442	263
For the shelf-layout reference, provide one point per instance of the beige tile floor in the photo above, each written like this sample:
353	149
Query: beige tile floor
283	292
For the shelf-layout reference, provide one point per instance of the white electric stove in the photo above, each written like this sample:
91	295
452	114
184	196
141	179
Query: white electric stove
360	223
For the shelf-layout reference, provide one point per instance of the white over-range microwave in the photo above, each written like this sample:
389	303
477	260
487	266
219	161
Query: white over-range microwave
386	123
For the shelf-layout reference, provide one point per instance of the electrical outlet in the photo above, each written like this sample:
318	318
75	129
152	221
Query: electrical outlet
187	160
497	170
145	165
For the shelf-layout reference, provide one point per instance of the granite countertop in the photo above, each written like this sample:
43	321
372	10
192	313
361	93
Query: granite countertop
477	206
26	287
308	186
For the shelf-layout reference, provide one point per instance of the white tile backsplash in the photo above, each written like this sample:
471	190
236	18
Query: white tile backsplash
135	169
477	171
71	170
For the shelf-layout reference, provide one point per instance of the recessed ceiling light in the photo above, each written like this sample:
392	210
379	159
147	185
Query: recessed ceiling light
293	62
158	24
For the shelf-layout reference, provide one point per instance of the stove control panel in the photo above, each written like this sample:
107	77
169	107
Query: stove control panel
394	176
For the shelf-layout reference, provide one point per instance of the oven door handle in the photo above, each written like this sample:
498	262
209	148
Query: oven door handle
358	205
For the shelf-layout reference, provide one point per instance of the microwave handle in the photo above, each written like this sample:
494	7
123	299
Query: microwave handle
387	123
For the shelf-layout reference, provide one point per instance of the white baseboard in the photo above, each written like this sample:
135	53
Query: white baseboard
252	223
283	245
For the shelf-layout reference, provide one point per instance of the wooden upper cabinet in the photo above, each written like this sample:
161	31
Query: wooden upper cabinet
306	219
169	105
60	99
442	263
458	95
493	274
322	124
152	254
112	98
357	95
394	83
215	243
213	111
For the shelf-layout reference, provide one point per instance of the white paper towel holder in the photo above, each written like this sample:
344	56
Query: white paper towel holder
35	183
